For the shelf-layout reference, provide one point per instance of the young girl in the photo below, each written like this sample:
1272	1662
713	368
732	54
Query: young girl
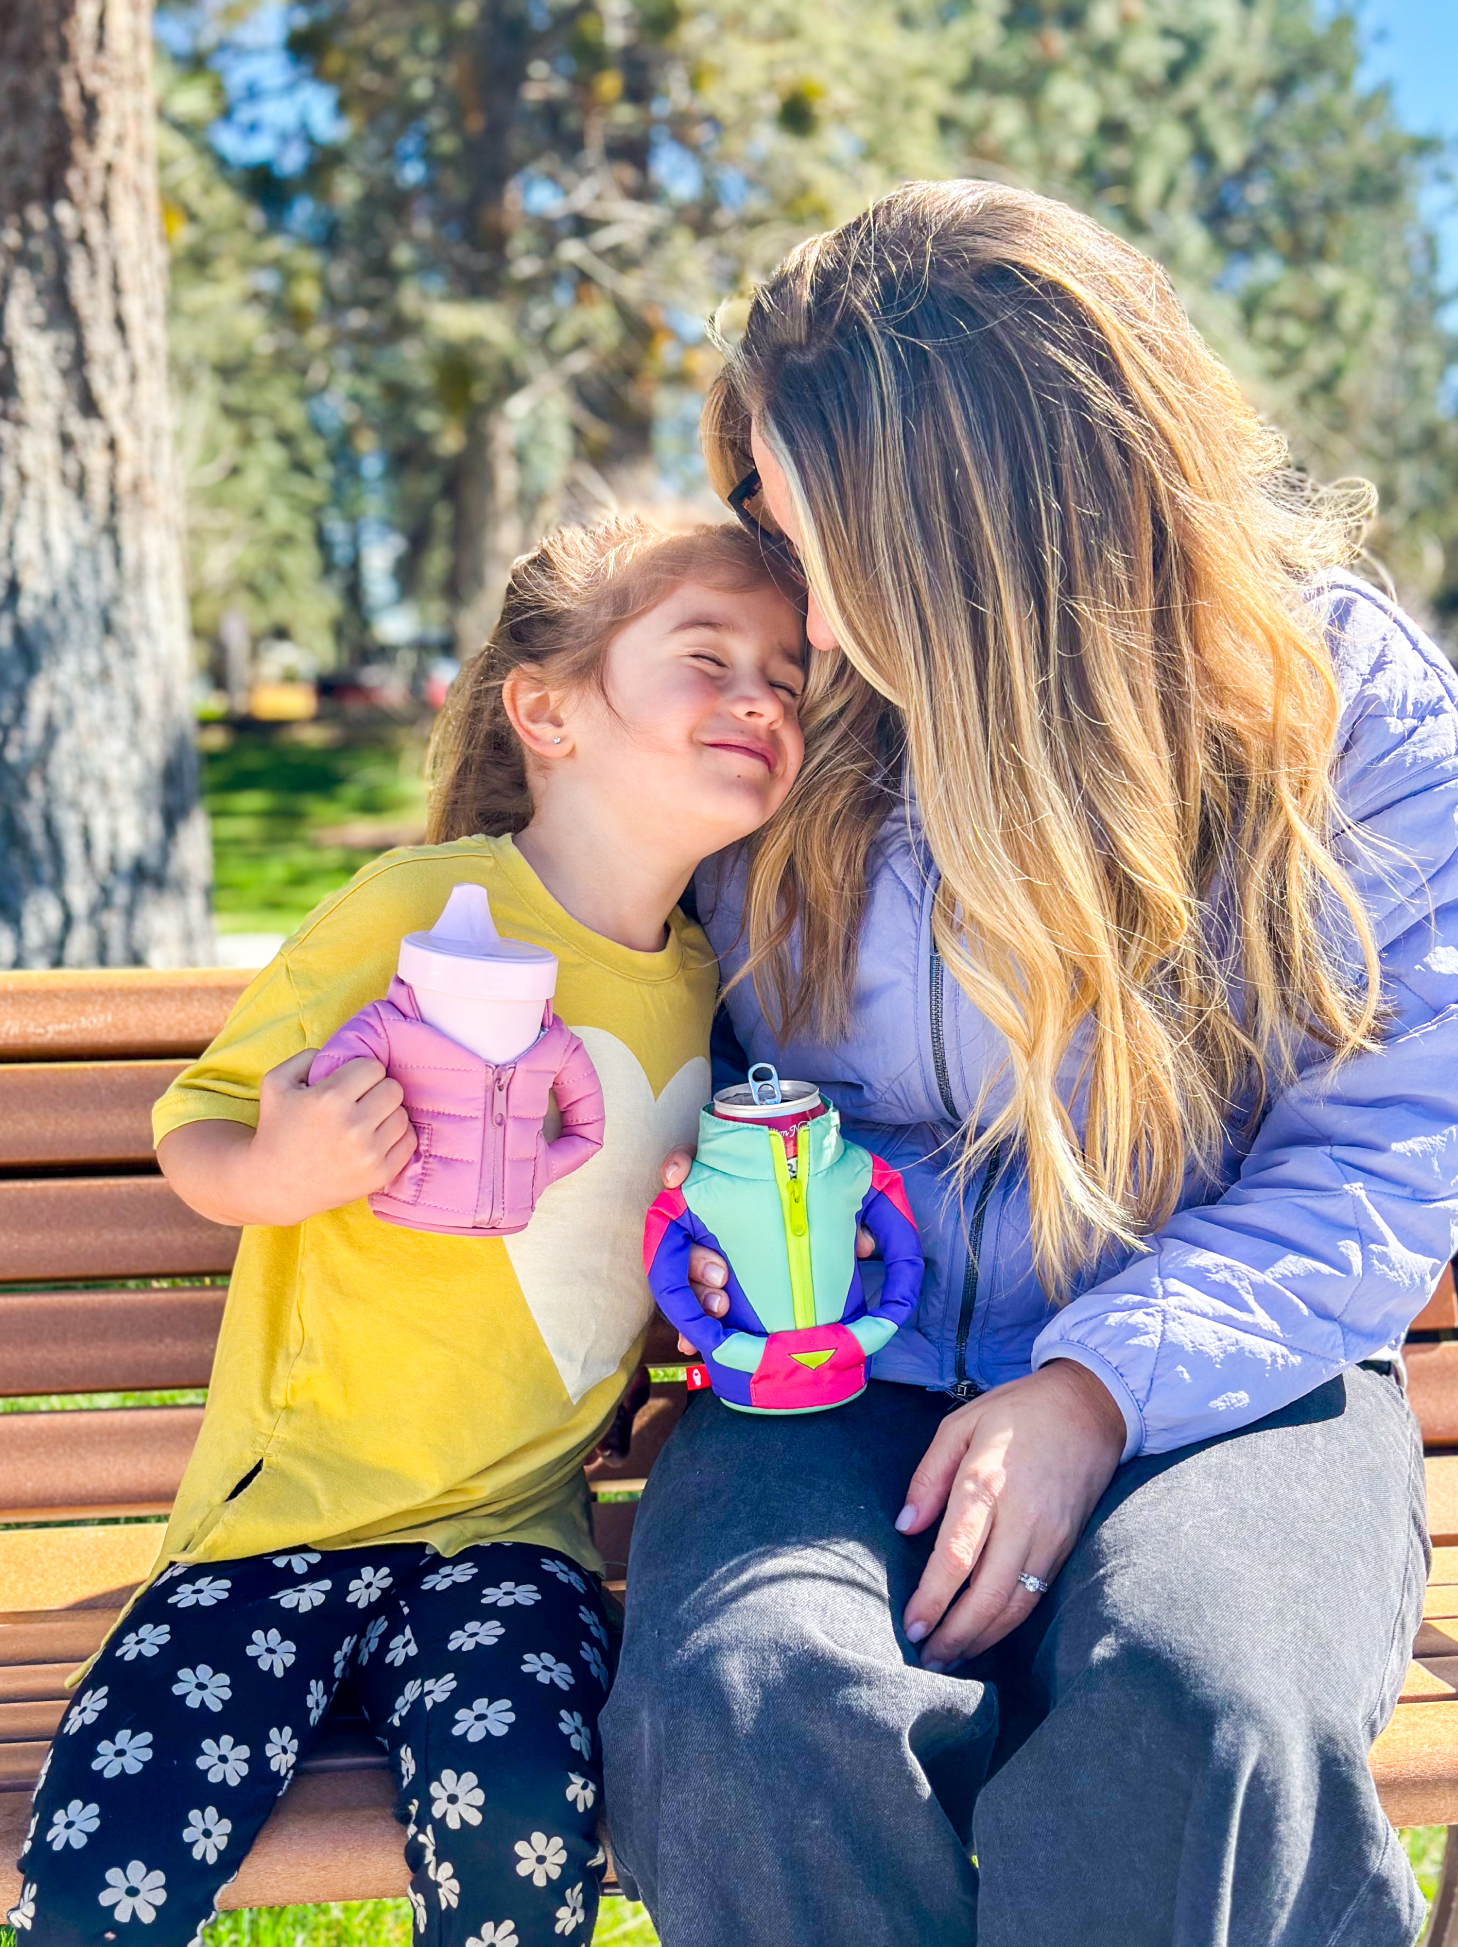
388	1480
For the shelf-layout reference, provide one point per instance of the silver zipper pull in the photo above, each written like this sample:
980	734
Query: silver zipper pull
965	1389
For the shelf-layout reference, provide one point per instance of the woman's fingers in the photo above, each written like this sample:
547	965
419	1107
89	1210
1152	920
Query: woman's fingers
688	1351
676	1166
926	1495
994	1604
966	1526
707	1276
865	1243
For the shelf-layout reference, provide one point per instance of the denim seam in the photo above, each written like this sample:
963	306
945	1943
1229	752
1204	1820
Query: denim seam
1358	1899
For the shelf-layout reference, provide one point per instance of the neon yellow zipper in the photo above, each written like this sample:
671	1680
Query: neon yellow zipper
797	1232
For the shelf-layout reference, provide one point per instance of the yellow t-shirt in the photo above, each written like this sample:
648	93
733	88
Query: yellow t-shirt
372	1382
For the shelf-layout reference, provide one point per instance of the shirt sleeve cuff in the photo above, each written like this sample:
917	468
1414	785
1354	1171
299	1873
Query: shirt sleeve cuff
1101	1370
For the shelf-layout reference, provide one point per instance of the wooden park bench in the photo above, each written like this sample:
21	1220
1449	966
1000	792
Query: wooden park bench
108	1284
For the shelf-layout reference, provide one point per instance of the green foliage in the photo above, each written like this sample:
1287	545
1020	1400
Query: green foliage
383	1923
294	816
532	202
246	331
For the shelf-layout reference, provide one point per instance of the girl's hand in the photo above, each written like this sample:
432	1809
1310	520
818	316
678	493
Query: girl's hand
1018	1471
708	1273
314	1149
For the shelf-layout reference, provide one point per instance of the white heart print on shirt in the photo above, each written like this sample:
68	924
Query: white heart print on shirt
579	1261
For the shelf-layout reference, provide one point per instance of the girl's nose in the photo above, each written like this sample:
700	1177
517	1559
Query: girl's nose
757	699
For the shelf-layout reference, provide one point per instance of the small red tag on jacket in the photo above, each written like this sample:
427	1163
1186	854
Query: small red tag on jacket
697	1378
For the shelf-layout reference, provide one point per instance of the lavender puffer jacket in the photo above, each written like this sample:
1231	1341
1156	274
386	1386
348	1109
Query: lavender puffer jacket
481	1159
1331	1222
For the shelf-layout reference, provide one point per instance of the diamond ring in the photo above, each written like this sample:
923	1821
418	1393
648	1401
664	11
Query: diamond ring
1034	1583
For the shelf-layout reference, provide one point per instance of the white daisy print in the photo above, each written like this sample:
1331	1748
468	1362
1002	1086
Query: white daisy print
427	1850
402	1646
505	1594
417	1903
303	1596
477	1635
595	1623
45	1767
456	1797
127	1752
271	1652
368	1586
86	1709
370	1641
177	1568
224	1761
282	1749
599	1858
546	1669
204	1685
484	1719
206	1833
437	1689
573	1727
73	1826
145	1640
22	1917
318	1701
30	1831
407	1766
406	1698
540	1858
300	1561
447	1886
592	1657
449	1574
581	1791
564	1574
571	1913
342	1655
133	1891
205	1593
496	1933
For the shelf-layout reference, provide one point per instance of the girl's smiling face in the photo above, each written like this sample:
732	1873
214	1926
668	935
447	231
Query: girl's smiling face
694	734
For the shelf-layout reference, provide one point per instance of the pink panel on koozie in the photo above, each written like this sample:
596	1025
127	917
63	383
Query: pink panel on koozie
888	1182
782	1384
665	1209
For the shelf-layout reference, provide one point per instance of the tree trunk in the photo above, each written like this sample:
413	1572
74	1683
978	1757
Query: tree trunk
104	855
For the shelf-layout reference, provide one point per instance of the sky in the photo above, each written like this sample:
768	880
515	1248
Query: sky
1413	45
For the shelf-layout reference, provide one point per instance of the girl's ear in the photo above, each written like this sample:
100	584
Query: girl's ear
535	714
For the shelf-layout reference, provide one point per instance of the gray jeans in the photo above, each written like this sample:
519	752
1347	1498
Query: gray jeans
1171	1752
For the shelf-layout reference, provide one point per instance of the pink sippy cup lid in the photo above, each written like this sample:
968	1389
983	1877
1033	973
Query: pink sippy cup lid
464	954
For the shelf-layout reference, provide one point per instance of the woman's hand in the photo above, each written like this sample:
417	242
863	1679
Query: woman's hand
708	1273
314	1148
1018	1471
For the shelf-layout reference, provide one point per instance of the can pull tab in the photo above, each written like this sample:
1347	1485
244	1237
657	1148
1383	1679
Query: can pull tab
766	1094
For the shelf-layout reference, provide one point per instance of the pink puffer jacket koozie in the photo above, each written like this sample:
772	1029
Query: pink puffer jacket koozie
481	1159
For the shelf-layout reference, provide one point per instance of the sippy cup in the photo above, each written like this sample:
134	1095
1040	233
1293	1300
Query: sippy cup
778	1193
467	1030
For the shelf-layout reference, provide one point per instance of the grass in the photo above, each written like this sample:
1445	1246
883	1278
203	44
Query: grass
282	798
375	1923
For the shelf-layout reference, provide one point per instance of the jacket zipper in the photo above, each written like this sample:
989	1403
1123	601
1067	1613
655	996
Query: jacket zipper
962	1387
791	1186
495	1157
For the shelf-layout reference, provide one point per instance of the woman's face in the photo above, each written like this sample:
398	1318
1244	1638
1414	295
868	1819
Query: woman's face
776	492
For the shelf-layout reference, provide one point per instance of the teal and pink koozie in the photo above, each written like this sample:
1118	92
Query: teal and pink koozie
778	1192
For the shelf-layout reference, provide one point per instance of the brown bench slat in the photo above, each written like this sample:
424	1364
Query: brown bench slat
1440	1314
1442	1479
114	1012
52	1638
105	1227
1429	1679
1415	1763
123	1457
75	1568
33	1683
19	1768
1432	1389
37	1717
79	1113
108	1341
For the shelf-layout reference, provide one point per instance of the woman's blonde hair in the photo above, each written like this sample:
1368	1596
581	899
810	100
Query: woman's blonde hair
1046	526
564	603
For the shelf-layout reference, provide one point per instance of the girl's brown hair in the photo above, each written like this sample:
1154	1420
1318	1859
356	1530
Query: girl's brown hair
564	604
1071	578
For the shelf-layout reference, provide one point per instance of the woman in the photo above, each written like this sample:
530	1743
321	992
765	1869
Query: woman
1115	906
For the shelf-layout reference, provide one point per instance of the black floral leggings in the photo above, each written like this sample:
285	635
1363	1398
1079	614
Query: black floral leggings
481	1675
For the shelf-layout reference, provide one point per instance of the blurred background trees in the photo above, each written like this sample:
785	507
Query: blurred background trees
441	267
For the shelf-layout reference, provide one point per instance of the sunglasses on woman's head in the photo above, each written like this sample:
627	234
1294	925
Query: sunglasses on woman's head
774	547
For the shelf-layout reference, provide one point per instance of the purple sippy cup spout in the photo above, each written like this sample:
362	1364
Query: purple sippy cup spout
466	918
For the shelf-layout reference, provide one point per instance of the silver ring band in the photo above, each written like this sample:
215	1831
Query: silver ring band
1034	1583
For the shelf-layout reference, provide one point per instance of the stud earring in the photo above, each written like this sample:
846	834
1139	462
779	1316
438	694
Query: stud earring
556	740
